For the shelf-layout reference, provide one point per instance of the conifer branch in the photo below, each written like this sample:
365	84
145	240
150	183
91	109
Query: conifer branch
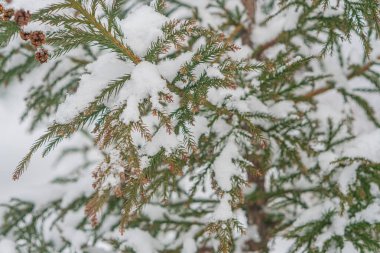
92	20
183	132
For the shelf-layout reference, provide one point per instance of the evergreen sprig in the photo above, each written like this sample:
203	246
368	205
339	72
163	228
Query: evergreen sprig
262	114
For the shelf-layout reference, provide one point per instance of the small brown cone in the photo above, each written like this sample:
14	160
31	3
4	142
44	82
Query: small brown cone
8	14
42	55
24	35
22	17
37	38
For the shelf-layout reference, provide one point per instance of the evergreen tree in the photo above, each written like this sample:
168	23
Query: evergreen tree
210	126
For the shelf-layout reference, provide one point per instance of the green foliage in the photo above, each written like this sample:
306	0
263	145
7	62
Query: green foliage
279	154
8	30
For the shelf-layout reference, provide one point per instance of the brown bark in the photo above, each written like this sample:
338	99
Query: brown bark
250	6
205	250
257	215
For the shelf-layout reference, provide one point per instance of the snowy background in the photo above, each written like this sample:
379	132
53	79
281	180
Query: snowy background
15	140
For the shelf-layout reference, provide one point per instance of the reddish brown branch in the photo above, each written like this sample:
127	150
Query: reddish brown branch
250	6
258	53
360	71
353	74
316	92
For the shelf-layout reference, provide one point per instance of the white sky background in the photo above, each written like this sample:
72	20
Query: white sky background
15	141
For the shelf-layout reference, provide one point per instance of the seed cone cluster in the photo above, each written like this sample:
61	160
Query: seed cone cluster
22	17
7	14
42	55
36	38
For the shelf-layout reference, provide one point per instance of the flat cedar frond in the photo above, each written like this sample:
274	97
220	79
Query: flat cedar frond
8	31
52	132
112	89
364	105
